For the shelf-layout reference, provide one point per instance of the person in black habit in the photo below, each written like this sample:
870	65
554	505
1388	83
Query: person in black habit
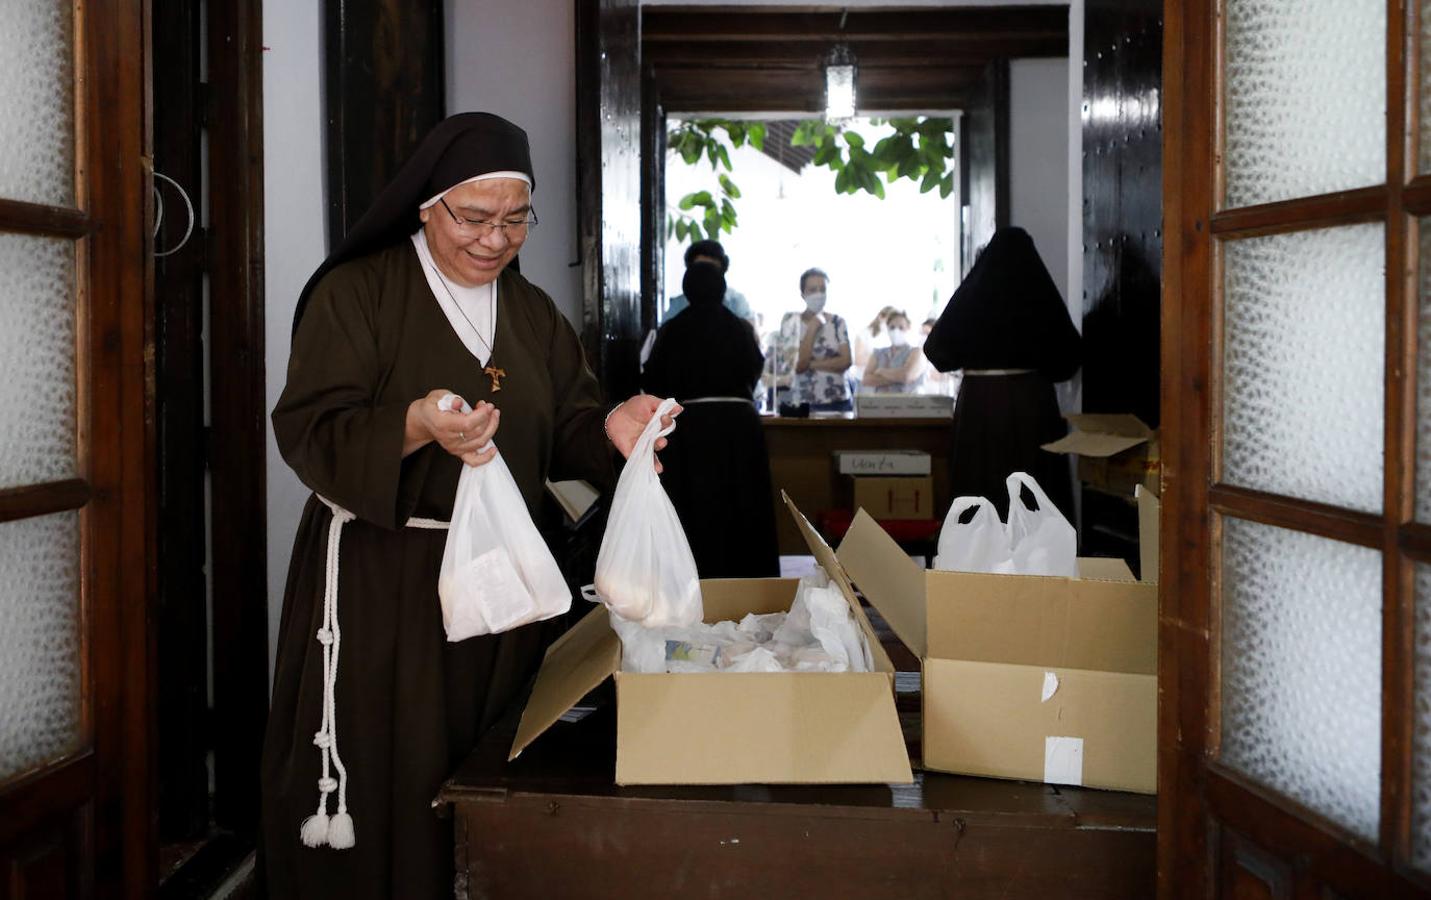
1008	329
717	469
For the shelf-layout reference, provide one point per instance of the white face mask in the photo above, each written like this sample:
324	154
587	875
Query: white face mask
898	337
815	301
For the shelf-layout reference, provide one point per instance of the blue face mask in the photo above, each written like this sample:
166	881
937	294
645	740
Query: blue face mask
815	301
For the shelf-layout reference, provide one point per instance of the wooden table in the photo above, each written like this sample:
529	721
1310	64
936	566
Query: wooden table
802	462
553	824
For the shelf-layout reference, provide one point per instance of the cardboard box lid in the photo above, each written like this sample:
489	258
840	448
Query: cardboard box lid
1101	436
590	652
1150	510
891	581
1102	621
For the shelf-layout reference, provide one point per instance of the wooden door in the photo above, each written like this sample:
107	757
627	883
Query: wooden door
608	113
76	781
1295	723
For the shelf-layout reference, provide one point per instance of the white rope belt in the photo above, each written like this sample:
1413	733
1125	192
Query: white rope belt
318	829
979	372
746	400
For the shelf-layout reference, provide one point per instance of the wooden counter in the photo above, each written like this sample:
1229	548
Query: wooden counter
553	824
803	465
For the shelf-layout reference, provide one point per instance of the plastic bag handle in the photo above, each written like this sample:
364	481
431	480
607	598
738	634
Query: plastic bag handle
1019	480
963	504
588	593
646	443
448	403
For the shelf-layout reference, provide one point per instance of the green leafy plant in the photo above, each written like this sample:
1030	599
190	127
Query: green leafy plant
920	149
709	212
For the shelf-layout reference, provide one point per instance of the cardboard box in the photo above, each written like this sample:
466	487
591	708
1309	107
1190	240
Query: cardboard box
1116	453
903	406
733	728
1033	678
896	498
882	462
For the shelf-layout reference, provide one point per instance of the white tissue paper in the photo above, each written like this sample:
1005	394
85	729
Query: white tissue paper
817	635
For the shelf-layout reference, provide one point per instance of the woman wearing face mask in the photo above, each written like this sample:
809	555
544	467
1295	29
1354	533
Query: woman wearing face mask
898	368
717	470
815	351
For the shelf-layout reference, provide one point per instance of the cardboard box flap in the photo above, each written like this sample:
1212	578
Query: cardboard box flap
831	564
1101	436
1029	620
1149	514
1104	569
574	666
891	581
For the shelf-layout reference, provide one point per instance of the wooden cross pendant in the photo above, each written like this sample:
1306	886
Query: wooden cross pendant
496	375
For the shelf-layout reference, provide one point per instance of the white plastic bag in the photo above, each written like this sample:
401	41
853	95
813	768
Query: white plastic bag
645	572
497	572
1043	541
979	545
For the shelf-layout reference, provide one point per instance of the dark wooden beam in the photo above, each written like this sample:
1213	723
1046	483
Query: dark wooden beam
913	53
37	218
743	90
42	499
240	411
748	24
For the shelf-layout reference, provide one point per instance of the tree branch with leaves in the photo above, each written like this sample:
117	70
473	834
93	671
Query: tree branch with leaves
920	149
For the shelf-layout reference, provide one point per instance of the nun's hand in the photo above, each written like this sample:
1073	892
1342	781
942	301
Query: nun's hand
467	436
627	421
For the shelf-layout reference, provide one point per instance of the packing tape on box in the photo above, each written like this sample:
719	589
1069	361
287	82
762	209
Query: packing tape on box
1050	686
1063	760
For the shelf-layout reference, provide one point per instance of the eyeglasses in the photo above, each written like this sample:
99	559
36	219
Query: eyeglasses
479	229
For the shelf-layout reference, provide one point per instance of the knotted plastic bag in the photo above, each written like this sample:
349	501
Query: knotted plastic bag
979	545
645	572
1042	540
497	572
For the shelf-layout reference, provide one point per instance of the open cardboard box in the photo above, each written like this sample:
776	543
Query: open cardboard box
733	728
1116	453
1033	678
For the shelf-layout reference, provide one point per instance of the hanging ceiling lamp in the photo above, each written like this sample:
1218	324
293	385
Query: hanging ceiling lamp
839	83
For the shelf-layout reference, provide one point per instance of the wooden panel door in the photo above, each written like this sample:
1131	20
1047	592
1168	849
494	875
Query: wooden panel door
1295	730
608	113
76	782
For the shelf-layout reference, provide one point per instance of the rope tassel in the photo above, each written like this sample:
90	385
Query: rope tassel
319	829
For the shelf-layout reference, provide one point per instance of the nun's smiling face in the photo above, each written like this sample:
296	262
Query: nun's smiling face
459	231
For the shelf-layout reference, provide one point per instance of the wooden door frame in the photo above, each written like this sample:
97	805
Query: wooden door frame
1194	789
239	409
105	791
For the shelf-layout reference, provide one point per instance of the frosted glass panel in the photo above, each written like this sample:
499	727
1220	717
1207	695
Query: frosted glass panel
39	641
1421	742
37	346
37	161
1423	378
1425	89
1301	669
1305	98
1304	334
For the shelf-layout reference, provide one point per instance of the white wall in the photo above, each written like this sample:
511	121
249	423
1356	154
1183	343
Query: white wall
1038	159
294	242
518	60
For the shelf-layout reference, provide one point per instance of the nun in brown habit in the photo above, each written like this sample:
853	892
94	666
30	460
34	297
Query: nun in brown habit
717	468
372	707
1008	329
